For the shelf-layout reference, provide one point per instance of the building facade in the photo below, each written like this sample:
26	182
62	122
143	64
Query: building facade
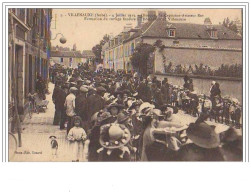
29	52
88	56
69	59
183	43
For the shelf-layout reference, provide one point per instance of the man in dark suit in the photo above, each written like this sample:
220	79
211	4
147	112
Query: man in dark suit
95	102
56	100
165	91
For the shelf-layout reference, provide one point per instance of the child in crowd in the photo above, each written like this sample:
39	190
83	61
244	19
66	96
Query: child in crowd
77	137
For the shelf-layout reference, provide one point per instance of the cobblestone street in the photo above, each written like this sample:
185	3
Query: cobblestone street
35	137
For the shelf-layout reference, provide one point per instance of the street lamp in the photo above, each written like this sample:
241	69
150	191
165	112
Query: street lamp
62	39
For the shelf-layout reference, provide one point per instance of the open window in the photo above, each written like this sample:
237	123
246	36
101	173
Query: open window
171	32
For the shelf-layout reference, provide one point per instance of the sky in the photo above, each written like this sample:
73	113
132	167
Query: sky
82	27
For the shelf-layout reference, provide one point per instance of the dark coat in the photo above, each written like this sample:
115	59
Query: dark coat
157	98
58	98
165	92
94	143
215	91
95	103
81	106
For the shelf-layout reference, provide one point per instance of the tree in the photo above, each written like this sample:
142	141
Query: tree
230	25
140	57
97	49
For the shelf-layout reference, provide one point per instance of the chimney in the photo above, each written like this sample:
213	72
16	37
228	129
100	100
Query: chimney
151	15
162	15
74	47
207	21
139	20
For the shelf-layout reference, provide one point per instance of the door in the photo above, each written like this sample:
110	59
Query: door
30	73
19	77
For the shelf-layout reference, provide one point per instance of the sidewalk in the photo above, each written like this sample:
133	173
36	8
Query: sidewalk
35	137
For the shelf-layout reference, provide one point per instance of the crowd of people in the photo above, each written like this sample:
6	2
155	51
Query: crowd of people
225	70
127	117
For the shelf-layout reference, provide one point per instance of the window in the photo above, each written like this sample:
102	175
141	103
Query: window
213	34
171	33
132	48
61	60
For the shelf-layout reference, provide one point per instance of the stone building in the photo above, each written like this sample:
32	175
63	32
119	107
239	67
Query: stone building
29	51
88	56
183	43
70	57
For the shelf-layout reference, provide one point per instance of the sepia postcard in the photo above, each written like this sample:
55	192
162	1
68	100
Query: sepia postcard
135	84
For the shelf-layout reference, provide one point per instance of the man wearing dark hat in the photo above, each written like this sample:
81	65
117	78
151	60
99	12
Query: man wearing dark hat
81	105
56	100
63	95
157	96
95	102
165	91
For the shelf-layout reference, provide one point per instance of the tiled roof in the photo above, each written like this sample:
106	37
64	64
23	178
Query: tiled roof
88	53
71	54
144	27
189	31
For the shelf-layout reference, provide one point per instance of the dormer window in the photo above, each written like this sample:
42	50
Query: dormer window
213	34
171	32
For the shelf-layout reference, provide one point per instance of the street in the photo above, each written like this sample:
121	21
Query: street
35	137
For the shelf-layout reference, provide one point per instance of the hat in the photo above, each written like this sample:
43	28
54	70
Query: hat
114	136
231	135
52	136
104	116
83	89
194	92
73	89
134	104
119	106
122	117
80	80
64	86
145	109
73	83
101	89
135	94
72	79
234	100
203	135
88	82
157	112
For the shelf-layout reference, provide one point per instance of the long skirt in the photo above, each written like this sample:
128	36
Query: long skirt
77	150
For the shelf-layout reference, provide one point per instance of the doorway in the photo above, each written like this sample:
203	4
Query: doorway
19	77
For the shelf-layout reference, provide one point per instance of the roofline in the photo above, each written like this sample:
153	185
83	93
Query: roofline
186	38
205	48
67	56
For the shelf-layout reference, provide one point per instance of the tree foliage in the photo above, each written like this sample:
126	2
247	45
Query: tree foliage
140	57
97	49
230	25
